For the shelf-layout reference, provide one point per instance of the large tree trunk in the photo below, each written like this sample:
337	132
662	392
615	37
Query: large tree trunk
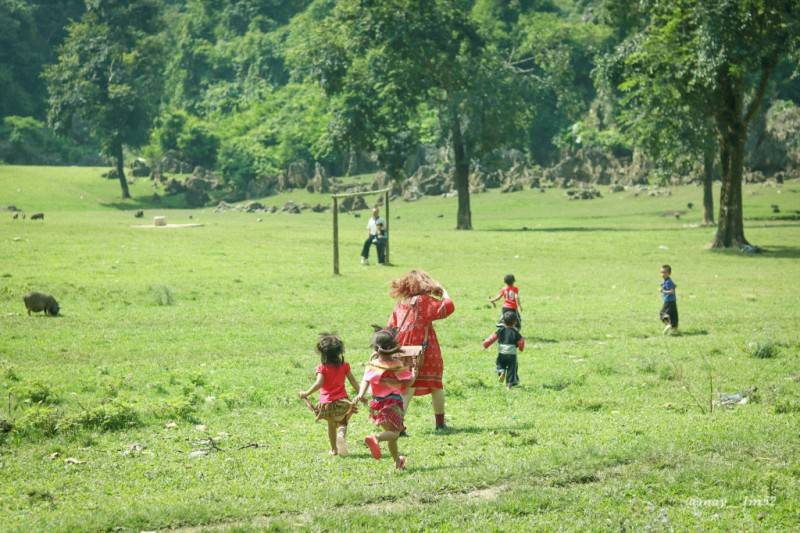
123	181
732	121
730	230
708	185
464	220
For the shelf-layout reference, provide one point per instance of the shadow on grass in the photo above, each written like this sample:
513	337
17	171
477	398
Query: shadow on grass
472	430
542	340
582	229
681	333
773	252
148	202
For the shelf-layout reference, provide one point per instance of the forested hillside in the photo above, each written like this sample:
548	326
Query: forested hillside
264	92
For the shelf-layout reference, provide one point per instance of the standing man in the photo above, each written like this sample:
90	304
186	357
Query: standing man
376	227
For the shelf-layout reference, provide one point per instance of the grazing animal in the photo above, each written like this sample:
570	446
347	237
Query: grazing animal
37	216
16	216
690	205
37	302
139	214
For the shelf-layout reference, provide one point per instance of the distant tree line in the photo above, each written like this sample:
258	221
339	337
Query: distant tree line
249	87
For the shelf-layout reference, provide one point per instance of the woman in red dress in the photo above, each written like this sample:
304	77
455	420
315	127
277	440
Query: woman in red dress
420	301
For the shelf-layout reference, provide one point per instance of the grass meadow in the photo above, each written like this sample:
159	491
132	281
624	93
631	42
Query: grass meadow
165	396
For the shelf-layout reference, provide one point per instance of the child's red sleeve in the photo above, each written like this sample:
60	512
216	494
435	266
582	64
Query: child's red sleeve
488	341
521	344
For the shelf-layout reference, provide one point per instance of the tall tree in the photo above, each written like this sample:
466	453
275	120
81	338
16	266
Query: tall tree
381	60
712	60
108	75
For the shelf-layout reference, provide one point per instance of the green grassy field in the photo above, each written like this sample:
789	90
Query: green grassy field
172	337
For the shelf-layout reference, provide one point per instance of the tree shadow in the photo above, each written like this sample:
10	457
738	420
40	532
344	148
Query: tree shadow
584	229
765	252
176	201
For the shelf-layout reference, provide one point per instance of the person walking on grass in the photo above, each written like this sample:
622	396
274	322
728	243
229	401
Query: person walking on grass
386	378
511	303
333	405
669	311
377	236
421	300
509	340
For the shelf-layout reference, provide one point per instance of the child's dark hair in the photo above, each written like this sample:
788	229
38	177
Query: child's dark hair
509	279
509	318
330	348
384	341
667	268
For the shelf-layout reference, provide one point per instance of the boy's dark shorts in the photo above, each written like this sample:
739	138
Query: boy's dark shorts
669	314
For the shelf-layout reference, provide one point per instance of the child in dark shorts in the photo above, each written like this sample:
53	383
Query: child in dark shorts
669	311
509	341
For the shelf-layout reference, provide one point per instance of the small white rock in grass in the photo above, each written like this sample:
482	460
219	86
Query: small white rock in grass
198	453
53	456
73	461
663	247
201	427
170	425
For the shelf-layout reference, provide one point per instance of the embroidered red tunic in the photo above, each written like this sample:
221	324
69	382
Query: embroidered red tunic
422	310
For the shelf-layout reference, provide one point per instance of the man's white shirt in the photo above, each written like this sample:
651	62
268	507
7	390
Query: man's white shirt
372	225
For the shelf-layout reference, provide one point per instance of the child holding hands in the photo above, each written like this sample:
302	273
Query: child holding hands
333	405
387	379
510	340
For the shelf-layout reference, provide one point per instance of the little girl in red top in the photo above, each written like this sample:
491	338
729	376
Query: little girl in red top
387	379
333	404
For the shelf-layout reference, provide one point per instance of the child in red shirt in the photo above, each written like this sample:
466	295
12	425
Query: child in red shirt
387	379
511	302
333	404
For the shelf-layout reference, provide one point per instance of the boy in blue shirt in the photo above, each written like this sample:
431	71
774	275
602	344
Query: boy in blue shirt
669	311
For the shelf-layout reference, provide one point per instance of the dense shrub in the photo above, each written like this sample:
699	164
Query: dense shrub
39	420
762	349
109	416
27	141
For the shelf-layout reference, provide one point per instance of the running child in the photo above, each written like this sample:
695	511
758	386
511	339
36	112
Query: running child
510	340
511	302
333	405
669	311
387	379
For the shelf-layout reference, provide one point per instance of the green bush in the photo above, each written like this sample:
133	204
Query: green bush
39	420
25	140
109	416
36	393
198	145
762	349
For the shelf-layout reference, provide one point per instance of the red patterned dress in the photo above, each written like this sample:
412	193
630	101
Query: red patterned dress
414	316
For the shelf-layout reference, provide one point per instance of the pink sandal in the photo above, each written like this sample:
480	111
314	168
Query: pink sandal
401	463
374	447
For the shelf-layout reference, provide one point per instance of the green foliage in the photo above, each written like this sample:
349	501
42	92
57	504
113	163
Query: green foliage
762	349
25	140
35	393
39	421
113	415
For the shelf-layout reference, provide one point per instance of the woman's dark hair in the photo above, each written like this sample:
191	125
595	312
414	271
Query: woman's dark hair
509	279
331	349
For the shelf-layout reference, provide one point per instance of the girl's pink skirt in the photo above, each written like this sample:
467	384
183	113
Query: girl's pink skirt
388	410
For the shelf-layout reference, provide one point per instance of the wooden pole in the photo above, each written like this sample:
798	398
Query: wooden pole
386	205
335	236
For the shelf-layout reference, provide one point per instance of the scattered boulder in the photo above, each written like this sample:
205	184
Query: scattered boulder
511	185
140	168
291	207
583	194
319	183
171	162
111	174
411	194
138	214
319	208
616	187
273	209
252	207
174	187
262	186
298	174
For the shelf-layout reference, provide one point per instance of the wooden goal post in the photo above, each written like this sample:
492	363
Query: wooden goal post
336	198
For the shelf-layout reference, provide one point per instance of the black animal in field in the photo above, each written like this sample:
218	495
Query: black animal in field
37	216
38	302
139	214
